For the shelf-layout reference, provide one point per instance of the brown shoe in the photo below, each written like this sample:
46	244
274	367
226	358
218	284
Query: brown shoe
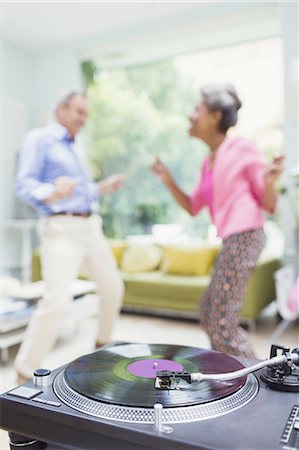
21	379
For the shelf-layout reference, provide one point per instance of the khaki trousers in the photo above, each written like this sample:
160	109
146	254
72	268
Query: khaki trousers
66	243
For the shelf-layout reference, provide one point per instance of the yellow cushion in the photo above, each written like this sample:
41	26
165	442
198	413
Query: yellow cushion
117	247
141	258
189	261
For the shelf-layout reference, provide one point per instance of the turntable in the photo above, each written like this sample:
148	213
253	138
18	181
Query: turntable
150	396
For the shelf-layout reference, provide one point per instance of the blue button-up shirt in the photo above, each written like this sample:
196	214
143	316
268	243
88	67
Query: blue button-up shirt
46	154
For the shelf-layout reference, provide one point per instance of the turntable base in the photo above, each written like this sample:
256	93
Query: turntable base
106	400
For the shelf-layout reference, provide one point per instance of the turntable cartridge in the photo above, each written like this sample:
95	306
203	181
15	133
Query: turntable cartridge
165	379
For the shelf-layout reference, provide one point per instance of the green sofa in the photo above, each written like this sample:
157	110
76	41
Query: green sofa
179	295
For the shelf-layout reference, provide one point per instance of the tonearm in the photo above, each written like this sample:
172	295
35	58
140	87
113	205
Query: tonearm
283	363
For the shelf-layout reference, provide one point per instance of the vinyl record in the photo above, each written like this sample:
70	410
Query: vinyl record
124	374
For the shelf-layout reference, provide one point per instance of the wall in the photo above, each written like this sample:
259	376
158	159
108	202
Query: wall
289	206
213	25
16	118
55	72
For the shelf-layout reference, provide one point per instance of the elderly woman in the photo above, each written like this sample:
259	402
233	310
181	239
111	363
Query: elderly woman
237	187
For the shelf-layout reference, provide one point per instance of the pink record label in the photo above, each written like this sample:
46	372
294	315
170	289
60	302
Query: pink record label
147	368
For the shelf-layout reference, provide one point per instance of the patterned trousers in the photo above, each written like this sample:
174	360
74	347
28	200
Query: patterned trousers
222	302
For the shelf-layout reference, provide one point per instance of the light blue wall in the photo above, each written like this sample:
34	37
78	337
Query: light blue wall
17	72
55	72
16	106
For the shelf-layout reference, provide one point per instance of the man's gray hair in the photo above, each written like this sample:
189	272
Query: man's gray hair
64	100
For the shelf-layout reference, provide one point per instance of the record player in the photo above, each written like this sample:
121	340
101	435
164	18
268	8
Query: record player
150	396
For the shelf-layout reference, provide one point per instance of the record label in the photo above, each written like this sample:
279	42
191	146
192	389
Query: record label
147	368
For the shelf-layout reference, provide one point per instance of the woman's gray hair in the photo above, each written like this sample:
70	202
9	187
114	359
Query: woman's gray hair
222	98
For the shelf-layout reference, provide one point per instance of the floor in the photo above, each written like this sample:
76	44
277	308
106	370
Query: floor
138	328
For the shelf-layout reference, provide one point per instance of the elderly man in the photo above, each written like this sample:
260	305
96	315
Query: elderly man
52	178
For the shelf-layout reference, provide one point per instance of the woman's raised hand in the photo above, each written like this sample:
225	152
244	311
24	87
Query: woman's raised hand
161	170
273	170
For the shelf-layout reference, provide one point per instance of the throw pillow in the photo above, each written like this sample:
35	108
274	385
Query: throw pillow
189	261
117	247
141	258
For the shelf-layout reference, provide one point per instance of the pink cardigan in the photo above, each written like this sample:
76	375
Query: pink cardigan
235	190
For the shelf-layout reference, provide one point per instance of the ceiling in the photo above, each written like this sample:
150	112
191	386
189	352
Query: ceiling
38	26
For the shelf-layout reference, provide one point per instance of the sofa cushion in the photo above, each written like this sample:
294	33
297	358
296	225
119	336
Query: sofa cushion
189	260
141	258
118	248
158	284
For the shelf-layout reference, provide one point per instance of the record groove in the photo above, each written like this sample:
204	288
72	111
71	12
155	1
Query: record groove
107	375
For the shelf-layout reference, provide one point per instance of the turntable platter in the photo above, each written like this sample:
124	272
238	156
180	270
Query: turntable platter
124	374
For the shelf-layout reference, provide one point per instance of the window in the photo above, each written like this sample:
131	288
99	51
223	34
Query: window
139	112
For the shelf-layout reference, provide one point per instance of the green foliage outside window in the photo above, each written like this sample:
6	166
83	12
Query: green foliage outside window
136	114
